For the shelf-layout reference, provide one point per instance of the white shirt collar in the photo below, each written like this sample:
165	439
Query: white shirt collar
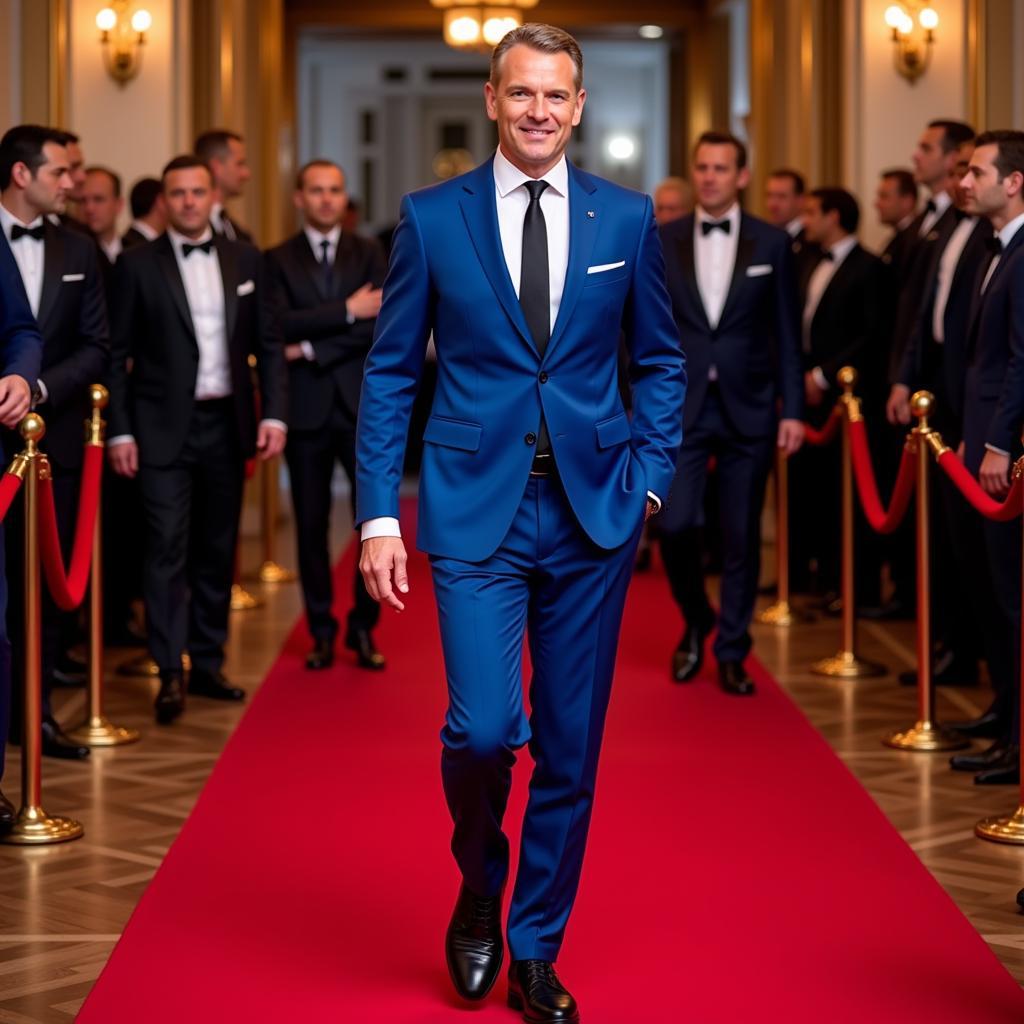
1005	235
316	237
7	219
508	177
794	227
942	202
843	248
732	215
905	223
145	230
178	240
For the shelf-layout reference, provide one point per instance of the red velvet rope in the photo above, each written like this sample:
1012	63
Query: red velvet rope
827	432
1002	511
9	486
68	589
881	519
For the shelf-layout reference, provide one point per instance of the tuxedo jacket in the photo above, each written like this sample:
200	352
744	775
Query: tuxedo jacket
956	320
448	276
806	255
21	345
131	238
76	340
845	330
241	234
155	356
755	347
314	311
994	400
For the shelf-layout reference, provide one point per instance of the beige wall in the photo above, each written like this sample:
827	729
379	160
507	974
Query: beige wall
10	63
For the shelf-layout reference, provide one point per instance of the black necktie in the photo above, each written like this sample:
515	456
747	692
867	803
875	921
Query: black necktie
188	247
535	285
930	206
994	245
17	231
707	226
325	265
829	255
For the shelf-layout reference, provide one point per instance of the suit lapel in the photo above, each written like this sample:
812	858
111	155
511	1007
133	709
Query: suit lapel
231	279
978	305
687	260
584	224
53	269
480	213
172	275
744	257
310	264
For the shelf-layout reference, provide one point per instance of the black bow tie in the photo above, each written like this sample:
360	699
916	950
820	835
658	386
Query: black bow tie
17	231
707	226
188	247
829	256
961	215
930	206
994	245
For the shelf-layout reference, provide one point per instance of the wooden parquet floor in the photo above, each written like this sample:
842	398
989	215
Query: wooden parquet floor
63	907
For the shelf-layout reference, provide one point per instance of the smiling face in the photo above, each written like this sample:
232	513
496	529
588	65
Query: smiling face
536	106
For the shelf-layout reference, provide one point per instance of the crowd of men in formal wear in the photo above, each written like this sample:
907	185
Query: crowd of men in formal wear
216	354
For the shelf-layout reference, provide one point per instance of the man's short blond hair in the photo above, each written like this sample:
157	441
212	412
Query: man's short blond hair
544	38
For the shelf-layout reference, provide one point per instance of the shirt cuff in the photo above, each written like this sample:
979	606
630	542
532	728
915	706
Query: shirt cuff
280	424
349	318
382	526
819	378
41	394
113	442
997	451
656	500
307	351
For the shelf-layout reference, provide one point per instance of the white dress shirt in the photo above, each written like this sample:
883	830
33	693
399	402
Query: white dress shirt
948	262
816	288
714	258
942	201
29	253
112	249
221	223
795	226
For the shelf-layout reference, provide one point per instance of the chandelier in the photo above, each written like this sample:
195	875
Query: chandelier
480	26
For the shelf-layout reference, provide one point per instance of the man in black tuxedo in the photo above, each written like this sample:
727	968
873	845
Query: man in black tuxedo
101	205
149	214
223	152
841	314
61	274
784	193
730	277
330	281
189	310
896	205
994	417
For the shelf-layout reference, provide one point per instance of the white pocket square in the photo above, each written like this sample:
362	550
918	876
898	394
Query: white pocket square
246	288
605	266
73	277
759	270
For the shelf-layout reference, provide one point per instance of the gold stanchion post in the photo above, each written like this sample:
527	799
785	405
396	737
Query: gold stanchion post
1009	829
846	664
271	571
781	613
96	731
33	826
926	734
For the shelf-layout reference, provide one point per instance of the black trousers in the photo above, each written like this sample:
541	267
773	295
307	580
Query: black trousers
192	508
311	457
123	531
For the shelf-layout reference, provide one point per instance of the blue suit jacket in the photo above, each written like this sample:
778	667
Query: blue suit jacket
756	345
21	345
448	275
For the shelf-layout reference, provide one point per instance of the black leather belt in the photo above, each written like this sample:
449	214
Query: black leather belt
543	465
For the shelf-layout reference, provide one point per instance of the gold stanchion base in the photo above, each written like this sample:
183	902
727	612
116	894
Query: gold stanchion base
242	600
1003	830
144	665
98	732
846	665
782	613
926	737
34	827
271	572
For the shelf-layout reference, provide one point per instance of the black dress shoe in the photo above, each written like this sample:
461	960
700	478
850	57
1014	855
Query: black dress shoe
733	678
688	657
213	685
322	655
988	726
987	758
947	670
367	656
1002	773
170	701
56	743
7	812
473	945
534	990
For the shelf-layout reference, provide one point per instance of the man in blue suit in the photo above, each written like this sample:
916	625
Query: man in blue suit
734	300
21	353
533	490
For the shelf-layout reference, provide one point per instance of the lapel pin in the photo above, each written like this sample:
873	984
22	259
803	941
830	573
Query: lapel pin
591	214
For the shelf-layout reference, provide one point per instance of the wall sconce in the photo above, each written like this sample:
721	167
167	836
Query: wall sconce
122	36
470	26
912	49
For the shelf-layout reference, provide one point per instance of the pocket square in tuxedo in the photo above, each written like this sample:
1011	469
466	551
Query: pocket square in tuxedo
73	277
759	270
247	287
601	268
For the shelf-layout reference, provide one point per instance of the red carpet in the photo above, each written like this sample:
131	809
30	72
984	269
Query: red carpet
313	882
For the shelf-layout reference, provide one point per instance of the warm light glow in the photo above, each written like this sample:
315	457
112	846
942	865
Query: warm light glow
651	31
142	21
894	16
929	19
906	26
495	29
106	20
621	147
463	30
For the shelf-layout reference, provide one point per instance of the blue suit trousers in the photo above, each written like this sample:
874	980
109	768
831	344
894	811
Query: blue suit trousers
549	579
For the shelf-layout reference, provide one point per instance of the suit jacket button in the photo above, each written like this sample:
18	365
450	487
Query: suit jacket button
530	438
543	378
